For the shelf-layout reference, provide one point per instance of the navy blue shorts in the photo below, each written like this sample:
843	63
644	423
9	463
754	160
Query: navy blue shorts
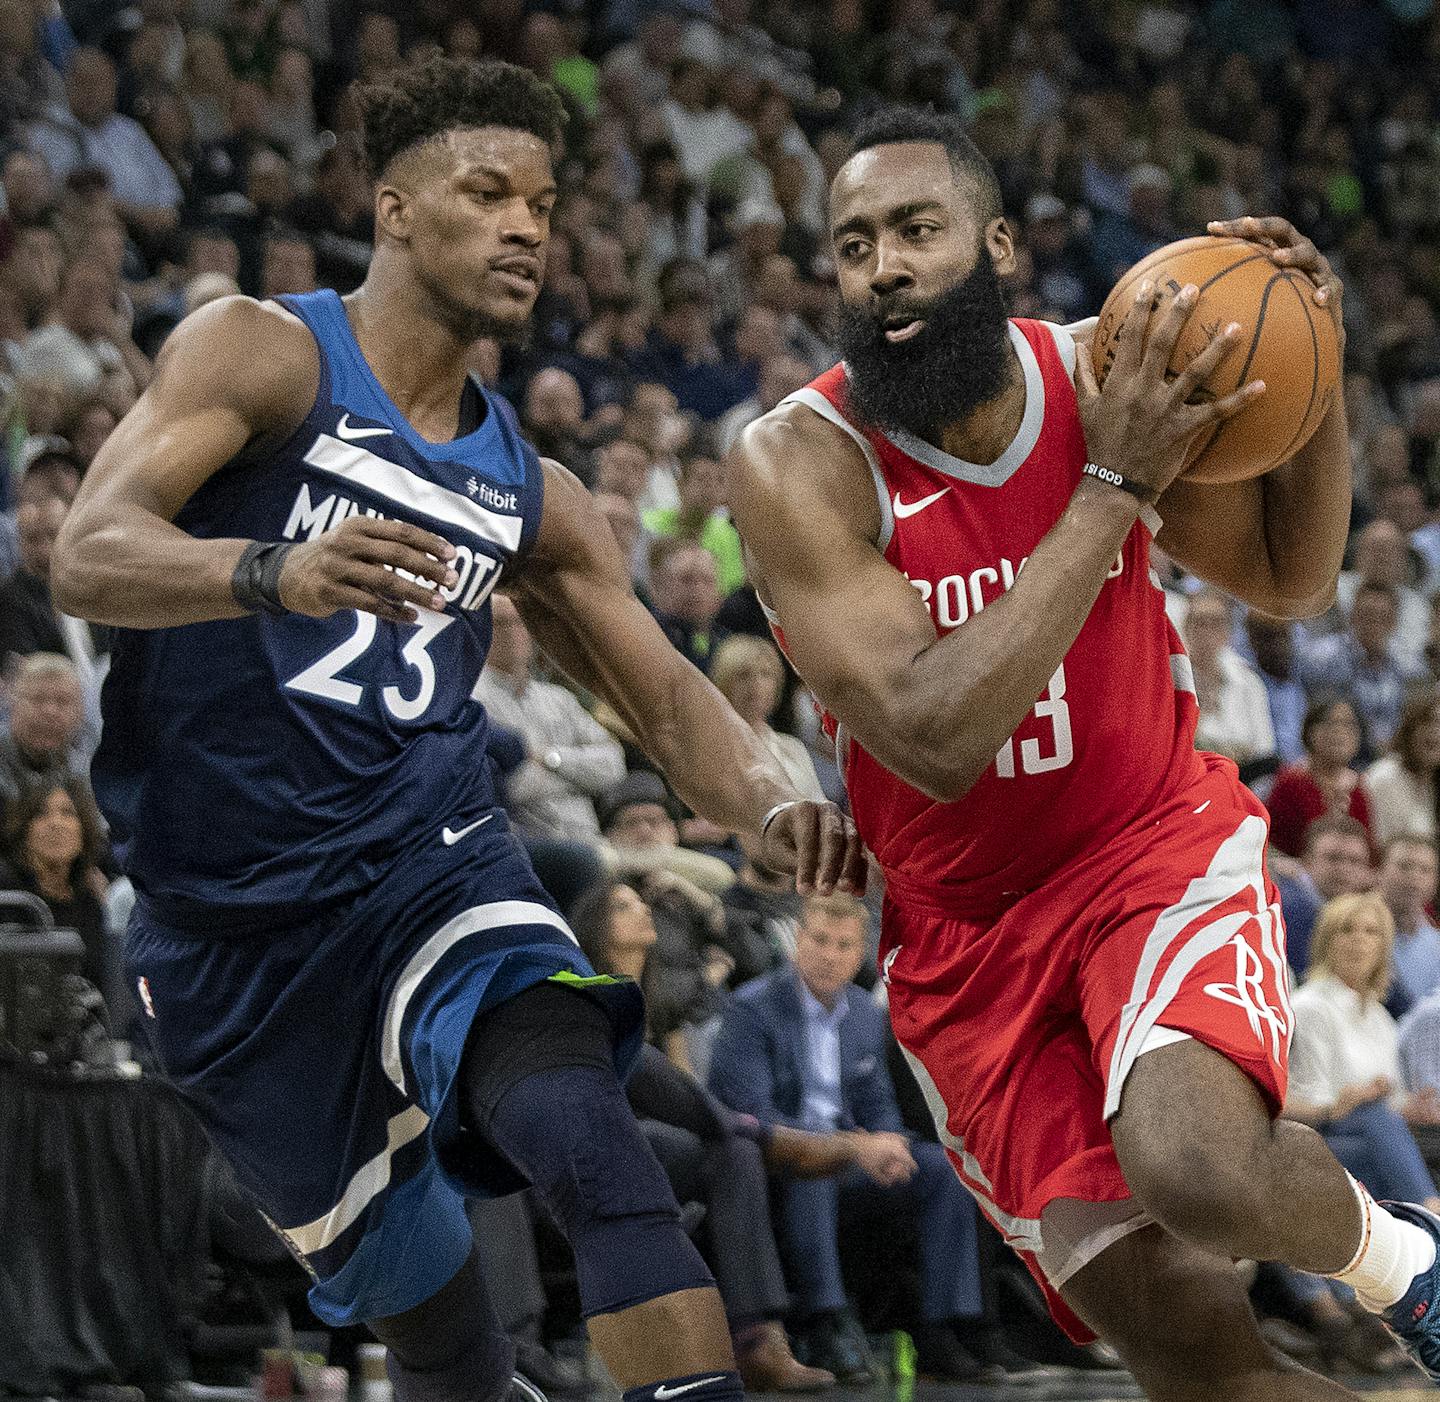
323	1059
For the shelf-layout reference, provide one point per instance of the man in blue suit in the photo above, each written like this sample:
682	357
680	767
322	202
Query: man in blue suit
803	1046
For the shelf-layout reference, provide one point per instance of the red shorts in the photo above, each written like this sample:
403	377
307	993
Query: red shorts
1023	1028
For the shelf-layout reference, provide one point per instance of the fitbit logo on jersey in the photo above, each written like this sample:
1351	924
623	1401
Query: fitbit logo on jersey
492	496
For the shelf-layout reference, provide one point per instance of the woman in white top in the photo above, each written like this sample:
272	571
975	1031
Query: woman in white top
1345	1059
750	675
1402	783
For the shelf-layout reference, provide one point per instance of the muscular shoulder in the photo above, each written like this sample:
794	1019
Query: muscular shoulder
255	356
791	462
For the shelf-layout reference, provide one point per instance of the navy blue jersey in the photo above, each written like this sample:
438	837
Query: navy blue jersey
257	767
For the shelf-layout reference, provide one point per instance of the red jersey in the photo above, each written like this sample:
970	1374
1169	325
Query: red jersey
1113	732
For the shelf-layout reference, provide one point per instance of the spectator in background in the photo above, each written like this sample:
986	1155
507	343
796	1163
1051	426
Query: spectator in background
702	517
1361	663
1337	862
88	131
710	1154
92	324
54	843
29	621
570	758
1408	876
1345	1057
1382	556
29	190
1272	646
1234	708
681	353
1401	784
41	744
762	911
804	1046
630	536
751	675
1323	781
780	376
287	264
1061	277
685	598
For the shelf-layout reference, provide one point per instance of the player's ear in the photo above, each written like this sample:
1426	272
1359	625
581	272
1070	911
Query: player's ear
1000	243
393	212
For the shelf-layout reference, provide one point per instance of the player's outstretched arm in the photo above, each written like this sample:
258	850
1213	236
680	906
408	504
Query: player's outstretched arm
236	374
936	710
1276	541
575	595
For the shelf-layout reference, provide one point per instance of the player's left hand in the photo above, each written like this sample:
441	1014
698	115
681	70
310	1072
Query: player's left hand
819	844
1288	248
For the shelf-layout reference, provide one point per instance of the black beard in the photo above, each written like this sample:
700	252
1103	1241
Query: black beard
947	370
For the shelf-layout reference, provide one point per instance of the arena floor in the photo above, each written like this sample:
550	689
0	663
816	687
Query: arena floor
1097	1388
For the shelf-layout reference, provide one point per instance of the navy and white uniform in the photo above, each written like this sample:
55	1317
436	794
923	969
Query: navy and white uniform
327	890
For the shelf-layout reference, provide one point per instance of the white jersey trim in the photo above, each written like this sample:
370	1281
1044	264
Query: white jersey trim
812	399
999	472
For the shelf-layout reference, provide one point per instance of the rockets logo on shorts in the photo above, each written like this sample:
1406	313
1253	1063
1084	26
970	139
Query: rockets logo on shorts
143	984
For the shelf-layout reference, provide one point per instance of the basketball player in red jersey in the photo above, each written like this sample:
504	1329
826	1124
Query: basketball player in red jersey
1084	953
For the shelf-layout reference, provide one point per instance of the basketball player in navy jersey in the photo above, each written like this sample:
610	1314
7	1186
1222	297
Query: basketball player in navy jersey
352	971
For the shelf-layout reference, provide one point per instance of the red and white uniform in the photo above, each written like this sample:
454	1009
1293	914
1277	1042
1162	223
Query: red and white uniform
1099	892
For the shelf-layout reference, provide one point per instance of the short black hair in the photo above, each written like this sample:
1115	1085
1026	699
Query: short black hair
889	126
427	99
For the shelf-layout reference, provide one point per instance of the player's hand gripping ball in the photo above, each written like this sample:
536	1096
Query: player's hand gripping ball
1267	277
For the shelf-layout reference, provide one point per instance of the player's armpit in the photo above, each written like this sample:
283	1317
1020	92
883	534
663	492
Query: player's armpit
230	374
575	595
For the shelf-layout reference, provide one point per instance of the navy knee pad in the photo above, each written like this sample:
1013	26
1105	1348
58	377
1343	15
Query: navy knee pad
571	1132
451	1347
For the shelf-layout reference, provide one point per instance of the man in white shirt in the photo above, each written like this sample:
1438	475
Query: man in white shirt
1382	556
90	132
1234	706
570	759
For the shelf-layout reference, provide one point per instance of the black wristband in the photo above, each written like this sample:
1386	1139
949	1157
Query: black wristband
256	581
1115	479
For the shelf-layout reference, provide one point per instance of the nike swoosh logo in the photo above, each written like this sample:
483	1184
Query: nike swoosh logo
1203	806
664	1394
450	838
351	435
904	509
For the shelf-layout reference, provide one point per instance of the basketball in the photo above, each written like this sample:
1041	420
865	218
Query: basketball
1286	340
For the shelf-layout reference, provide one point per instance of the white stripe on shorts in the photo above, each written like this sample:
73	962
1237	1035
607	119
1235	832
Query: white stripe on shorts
1069	1234
469	922
1236	868
370	1179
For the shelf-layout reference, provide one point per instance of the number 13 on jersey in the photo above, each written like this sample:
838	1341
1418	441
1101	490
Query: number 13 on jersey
1035	757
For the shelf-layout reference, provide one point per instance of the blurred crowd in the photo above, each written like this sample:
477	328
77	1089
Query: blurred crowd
159	154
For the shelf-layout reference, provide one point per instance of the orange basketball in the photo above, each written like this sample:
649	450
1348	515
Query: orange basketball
1286	340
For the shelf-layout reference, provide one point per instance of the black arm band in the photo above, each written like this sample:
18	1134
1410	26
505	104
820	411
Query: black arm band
1105	474
256	581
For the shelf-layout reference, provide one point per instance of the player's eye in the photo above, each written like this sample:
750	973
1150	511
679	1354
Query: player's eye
920	230
852	249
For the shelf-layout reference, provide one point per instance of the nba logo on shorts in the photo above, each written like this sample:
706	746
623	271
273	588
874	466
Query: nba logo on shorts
143	984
